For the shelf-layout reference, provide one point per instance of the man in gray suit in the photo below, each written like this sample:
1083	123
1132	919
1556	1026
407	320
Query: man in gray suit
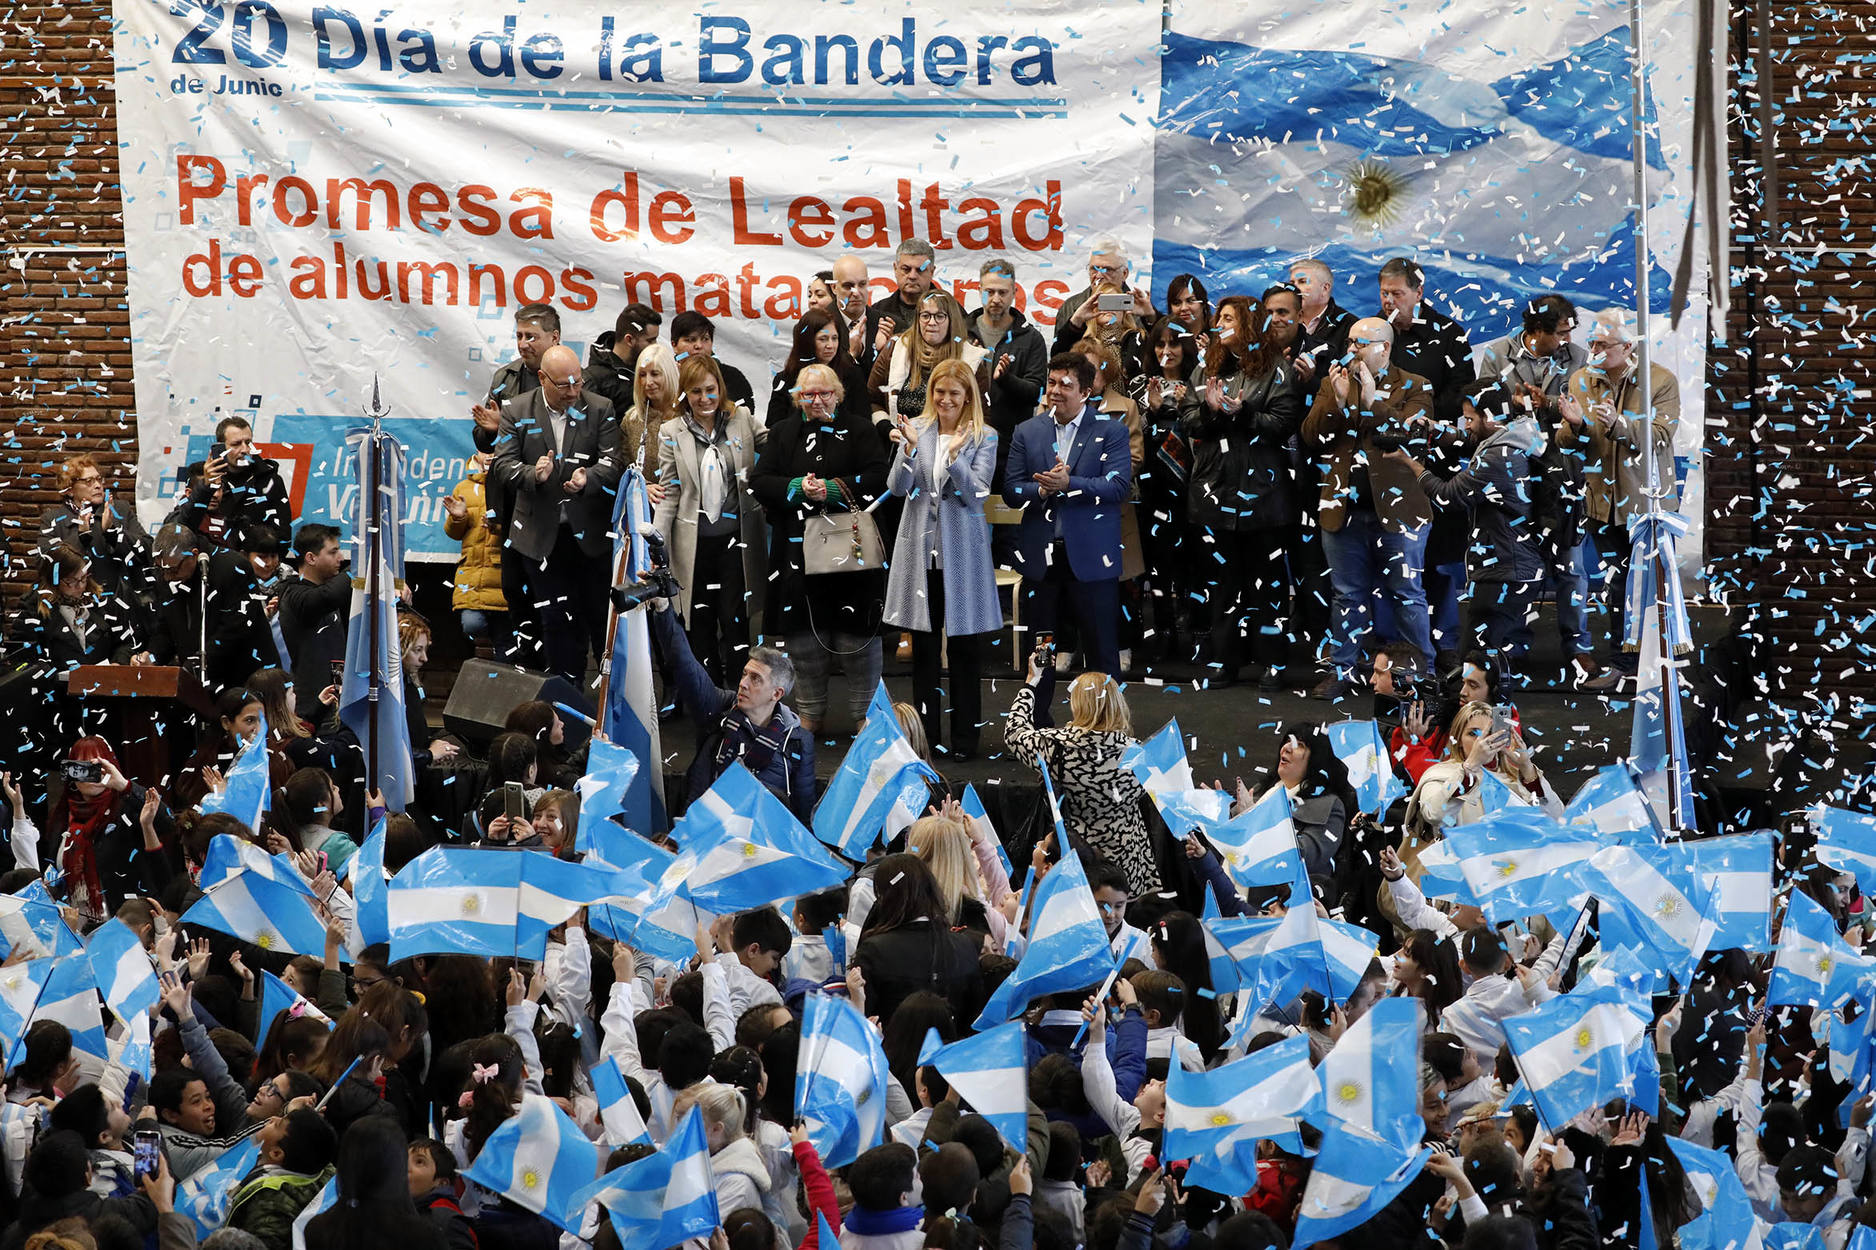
558	451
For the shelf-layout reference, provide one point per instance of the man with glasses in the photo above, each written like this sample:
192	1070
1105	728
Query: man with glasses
558	451
1108	267
914	272
1375	516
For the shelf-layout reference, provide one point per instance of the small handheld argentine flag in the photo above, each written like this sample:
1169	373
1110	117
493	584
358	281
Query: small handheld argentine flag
247	793
1363	750
205	1196
840	1084
990	1071
1160	761
663	1198
123	970
539	1159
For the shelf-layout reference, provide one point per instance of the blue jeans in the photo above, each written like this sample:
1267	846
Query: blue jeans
1365	554
1570	582
1445	584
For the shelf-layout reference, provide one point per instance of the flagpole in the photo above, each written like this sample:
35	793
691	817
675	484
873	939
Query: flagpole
1678	819
612	631
373	547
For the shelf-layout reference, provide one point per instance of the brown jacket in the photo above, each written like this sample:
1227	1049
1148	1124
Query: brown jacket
1337	432
1612	480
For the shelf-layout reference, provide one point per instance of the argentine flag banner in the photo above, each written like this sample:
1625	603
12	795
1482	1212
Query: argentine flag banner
1489	144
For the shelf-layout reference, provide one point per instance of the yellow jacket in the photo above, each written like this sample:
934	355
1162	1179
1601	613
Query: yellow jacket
479	572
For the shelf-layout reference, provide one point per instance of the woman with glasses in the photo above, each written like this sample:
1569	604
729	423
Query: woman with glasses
820	339
818	463
88	518
710	519
942	585
902	376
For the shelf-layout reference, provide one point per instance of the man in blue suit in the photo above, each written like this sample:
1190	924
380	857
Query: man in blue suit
1071	469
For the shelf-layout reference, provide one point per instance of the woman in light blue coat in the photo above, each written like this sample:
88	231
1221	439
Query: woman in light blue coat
941	577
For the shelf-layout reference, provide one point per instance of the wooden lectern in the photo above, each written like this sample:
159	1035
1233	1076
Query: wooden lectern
149	715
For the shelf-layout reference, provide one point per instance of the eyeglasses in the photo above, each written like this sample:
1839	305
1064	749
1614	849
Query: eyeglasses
269	1091
817	397
934	316
1107	271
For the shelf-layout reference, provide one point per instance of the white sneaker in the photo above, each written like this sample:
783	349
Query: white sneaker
1126	662
1063	661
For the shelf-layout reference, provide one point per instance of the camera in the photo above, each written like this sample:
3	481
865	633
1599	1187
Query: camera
659	581
83	770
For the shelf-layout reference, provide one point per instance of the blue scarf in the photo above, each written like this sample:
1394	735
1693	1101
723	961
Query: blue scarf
865	1222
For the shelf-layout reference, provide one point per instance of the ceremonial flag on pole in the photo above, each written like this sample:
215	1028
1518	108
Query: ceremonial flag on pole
629	717
371	696
840	1084
1362	748
246	792
1655	620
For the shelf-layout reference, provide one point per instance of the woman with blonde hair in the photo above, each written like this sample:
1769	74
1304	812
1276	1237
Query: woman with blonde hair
656	390
741	1174
901	376
709	517
941	583
1452	792
1100	799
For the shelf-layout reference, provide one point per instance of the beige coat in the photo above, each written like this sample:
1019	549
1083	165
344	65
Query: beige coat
1335	433
676	517
1612	480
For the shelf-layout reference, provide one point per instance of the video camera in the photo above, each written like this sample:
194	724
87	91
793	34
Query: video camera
659	581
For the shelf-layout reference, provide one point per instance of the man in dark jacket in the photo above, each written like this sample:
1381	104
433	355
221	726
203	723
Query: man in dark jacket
1427	342
314	606
243	607
234	488
612	361
749	723
1018	355
1503	562
1322	325
1108	267
915	270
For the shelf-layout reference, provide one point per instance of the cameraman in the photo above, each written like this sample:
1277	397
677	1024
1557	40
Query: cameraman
234	488
749	723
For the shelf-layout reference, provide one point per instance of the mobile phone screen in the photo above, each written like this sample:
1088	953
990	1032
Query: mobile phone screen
147	1150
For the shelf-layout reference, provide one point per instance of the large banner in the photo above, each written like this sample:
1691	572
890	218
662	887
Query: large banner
1489	142
317	194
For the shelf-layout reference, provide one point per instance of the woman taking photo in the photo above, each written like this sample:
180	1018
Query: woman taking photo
106	837
1159	392
1100	800
817	475
908	943
941	584
901	377
1239	495
1452	792
710	518
820	339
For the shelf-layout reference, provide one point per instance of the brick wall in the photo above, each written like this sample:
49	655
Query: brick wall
64	350
1791	456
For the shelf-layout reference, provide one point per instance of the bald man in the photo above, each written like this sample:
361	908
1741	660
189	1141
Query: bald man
558	451
850	294
1374	513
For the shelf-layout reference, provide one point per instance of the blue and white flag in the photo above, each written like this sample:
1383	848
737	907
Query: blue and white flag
324	1201
1740	866
618	1112
275	915
228	855
130	1048
371	694
982	829
1258	847
914	794
1517	862
247	791
1814	967
1657	741
205	1196
1371	1077
1355	1174
1160	761
1187	810
1273	959
124	973
990	1071
877	768
1068	947
840	1080
371	890
1355	135
473	901
639	912
70	996
603	791
46	919
629	716
1846	841
1576	1051
1265	1094
1363	750
1726	1221
20	987
277	996
740	847
1496	796
664	1198
1667	901
540	1160
1611	804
